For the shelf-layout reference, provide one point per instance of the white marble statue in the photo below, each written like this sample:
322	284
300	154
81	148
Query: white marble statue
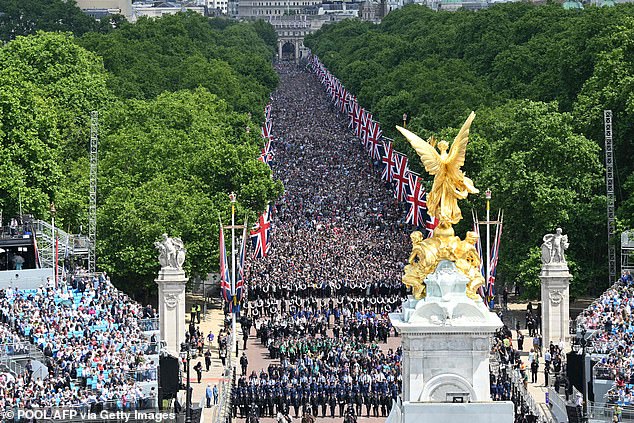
171	252
553	247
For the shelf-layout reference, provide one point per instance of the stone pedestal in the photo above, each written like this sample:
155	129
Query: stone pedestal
555	280
171	307
446	340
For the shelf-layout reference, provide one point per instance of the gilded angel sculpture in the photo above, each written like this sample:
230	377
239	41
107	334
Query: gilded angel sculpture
450	184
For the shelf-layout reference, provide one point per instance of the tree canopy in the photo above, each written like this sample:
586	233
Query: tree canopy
175	97
539	78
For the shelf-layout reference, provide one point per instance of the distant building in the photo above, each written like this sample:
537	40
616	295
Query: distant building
217	7
263	9
156	9
101	8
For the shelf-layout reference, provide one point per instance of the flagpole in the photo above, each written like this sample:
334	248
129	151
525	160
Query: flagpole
232	198
488	273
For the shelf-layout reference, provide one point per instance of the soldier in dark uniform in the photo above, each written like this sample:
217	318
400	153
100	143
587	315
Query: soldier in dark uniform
332	401
306	407
295	401
271	403
321	400
374	397
385	400
359	402
314	402
341	399
366	401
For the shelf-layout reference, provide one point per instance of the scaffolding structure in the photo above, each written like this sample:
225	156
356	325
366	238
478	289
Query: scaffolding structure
609	182
92	207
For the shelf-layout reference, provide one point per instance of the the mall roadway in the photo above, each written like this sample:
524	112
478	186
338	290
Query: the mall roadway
258	359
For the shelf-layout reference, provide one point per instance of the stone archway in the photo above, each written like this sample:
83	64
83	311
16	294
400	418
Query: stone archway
288	50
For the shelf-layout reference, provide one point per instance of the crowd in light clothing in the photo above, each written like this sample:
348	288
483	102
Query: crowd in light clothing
93	341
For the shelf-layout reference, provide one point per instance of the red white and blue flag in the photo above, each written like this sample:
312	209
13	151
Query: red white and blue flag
225	281
478	245
261	234
240	276
374	140
388	161
416	199
494	258
401	176
266	155
430	224
366	121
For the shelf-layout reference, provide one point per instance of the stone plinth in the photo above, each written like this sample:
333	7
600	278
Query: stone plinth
171	306
449	356
446	341
473	412
555	282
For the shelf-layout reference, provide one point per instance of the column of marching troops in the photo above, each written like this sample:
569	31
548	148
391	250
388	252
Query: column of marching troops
316	399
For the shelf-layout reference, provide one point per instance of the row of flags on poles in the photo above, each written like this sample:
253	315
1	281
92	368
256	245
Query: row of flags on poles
487	292
259	235
407	185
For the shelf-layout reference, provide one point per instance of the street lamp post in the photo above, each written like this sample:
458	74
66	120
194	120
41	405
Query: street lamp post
404	120
188	403
53	211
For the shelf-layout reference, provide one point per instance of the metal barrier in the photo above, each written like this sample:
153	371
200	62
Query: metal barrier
518	383
606	412
149	324
224	401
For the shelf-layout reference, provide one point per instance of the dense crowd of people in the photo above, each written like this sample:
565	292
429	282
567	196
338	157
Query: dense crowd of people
609	327
335	229
93	341
319	300
323	378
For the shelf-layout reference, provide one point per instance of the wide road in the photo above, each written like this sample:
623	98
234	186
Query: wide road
337	220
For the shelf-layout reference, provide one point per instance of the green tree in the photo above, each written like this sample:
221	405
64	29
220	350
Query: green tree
533	153
167	166
48	86
25	17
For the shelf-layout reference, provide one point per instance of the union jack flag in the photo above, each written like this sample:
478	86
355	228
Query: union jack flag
401	177
430	224
416	199
260	235
494	259
267	112
388	161
352	101
240	278
266	155
266	130
358	121
478	246
365	126
374	140
225	284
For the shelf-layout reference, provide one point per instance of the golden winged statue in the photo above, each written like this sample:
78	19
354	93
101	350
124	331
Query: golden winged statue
450	184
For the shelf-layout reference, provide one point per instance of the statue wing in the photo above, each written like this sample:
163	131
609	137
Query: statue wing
458	149
428	154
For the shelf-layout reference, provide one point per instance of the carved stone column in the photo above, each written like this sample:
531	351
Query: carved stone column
171	307
555	279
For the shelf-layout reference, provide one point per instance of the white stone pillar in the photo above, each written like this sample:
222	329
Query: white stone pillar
171	302
296	51
279	50
555	281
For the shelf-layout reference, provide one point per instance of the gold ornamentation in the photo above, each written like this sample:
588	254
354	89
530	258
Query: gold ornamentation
450	185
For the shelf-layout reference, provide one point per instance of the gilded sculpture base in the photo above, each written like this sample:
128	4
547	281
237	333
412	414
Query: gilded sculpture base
443	245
